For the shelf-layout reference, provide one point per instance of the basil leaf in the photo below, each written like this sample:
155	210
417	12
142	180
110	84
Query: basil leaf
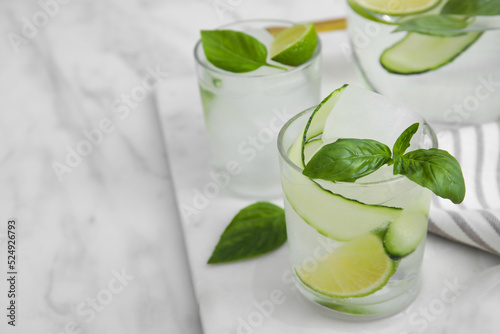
402	144
255	230
436	25
472	7
234	51
403	141
436	170
347	160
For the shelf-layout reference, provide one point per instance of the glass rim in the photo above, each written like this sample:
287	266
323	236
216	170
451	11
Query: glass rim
317	53
430	133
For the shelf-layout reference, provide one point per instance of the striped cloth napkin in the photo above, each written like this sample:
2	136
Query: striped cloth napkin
476	221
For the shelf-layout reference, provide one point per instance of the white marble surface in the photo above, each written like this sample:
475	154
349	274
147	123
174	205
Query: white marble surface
99	251
115	211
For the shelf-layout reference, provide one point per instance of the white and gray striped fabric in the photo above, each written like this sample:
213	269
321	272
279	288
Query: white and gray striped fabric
476	221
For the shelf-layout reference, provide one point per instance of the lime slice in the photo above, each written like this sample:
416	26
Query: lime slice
352	309
295	45
356	269
391	7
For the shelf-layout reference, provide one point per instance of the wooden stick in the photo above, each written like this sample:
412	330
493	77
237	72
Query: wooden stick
321	26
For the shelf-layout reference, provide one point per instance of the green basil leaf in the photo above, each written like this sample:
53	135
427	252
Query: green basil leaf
436	25
402	144
347	160
436	170
255	230
234	51
472	7
403	141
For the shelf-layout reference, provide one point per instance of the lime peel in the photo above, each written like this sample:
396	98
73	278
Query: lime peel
295	45
356	269
391	7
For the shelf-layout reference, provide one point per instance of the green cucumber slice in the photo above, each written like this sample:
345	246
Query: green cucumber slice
418	53
311	148
334	216
405	234
316	122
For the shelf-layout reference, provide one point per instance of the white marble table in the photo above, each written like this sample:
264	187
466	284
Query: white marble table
99	243
86	177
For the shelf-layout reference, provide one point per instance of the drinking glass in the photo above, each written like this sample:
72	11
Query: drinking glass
243	112
460	82
355	248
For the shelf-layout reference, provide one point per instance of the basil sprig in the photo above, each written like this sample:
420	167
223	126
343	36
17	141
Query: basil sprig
349	159
255	230
234	51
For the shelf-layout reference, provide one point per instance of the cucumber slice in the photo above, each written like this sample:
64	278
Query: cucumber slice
295	152
405	234
334	216
311	148
316	122
418	53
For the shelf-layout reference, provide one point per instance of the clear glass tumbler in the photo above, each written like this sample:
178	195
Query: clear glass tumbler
355	248
244	111
451	77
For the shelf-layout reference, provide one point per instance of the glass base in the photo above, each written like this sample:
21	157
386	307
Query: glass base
361	309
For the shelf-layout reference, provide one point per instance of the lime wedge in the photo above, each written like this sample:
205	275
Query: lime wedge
295	45
356	269
391	7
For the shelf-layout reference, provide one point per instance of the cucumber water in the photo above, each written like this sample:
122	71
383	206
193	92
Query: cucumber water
355	248
243	113
444	64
